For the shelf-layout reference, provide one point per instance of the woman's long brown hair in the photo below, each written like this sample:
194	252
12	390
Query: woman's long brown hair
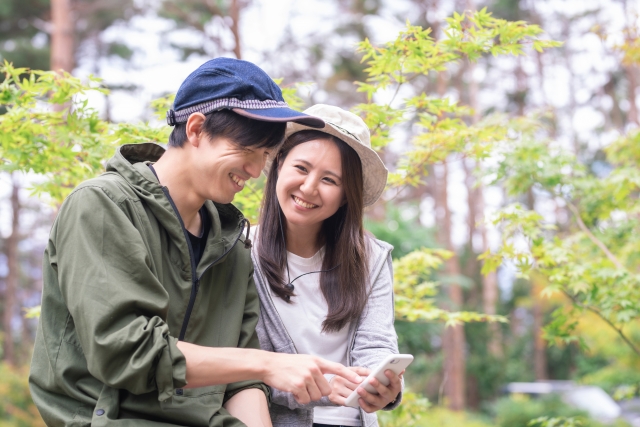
345	287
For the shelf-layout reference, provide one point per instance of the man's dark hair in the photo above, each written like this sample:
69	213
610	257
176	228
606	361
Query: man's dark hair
240	130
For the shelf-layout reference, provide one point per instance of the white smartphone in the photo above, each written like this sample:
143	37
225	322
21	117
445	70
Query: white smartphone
394	362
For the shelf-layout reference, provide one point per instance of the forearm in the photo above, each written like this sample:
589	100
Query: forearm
211	366
250	406
299	374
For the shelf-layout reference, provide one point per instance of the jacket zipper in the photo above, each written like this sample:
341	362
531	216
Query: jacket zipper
195	281
242	223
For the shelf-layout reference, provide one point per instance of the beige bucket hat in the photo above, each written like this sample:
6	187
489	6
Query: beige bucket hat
353	131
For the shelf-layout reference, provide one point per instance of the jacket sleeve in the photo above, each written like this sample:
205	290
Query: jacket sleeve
248	338
116	302
375	336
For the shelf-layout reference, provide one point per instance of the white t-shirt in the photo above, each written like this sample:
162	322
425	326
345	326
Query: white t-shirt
303	320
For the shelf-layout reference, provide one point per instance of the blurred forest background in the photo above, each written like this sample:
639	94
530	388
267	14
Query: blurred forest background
515	155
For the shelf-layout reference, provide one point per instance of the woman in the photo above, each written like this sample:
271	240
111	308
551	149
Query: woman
326	288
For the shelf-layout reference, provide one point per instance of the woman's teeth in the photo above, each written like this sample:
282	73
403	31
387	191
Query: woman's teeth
303	203
237	180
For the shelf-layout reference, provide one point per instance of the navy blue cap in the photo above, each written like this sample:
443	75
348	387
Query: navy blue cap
227	83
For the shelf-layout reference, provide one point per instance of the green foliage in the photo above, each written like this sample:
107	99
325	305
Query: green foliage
415	411
489	372
468	35
16	406
520	410
161	105
49	129
409	413
249	199
402	229
414	54
621	382
32	312
291	94
592	261
415	292
443	131
557	422
18	26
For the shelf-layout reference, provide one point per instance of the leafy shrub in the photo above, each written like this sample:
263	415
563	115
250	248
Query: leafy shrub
619	381
520	410
415	411
16	407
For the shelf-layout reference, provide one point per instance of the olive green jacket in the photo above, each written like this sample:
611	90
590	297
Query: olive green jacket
120	290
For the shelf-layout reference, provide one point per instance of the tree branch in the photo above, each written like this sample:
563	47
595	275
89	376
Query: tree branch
606	320
172	8
593	238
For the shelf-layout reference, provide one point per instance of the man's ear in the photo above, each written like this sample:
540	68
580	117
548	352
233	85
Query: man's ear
195	128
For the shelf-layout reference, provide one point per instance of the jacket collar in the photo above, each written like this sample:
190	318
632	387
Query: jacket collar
131	162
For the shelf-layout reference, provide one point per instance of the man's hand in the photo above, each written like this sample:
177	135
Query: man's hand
299	374
302	375
370	402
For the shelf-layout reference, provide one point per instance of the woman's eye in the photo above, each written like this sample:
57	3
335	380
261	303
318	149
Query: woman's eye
330	181
302	168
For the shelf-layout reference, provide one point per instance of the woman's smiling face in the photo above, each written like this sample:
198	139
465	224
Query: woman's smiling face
309	186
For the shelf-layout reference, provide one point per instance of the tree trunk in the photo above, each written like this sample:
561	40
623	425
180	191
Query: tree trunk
62	36
630	69
630	72
453	343
539	344
568	58
490	293
476	213
234	12
521	87
471	267
12	276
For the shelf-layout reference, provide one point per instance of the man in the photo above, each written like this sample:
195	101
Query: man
149	306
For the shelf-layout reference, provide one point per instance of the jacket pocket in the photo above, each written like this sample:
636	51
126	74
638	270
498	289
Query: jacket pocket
194	406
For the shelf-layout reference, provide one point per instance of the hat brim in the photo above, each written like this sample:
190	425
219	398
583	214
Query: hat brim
373	169
281	115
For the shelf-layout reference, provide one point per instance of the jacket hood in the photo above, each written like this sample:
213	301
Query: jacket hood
131	162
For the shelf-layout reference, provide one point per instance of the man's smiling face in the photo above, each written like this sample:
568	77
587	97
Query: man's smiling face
223	167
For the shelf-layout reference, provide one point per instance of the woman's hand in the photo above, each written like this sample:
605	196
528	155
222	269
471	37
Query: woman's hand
370	402
341	388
